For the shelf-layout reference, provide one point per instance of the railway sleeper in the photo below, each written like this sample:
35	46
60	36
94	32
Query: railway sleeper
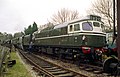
11	63
46	66
51	68
55	70
66	75
97	72
59	72
89	69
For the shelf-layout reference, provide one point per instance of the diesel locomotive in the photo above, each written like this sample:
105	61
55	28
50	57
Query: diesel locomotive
81	38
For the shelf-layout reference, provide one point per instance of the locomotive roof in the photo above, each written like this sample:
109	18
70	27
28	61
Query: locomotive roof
72	21
47	28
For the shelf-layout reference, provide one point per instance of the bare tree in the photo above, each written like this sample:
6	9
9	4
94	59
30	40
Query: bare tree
49	24
104	8
64	15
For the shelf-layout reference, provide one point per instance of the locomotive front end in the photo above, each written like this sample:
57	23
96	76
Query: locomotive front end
90	36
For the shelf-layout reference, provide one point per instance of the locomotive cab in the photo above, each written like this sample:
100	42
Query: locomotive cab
86	33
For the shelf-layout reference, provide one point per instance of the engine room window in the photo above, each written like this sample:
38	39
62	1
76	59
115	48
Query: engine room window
87	26
96	24
76	27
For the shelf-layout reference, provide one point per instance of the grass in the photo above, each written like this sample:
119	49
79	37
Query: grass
18	70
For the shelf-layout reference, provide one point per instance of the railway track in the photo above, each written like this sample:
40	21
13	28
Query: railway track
94	70
49	69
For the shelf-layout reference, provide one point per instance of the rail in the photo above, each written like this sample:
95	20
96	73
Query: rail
49	69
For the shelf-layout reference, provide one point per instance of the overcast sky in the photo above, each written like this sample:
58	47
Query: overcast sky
15	15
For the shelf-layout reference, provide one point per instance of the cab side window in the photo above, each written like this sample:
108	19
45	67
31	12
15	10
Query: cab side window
70	28
76	27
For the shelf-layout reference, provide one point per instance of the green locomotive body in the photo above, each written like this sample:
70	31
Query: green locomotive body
77	39
26	41
17	42
79	36
73	34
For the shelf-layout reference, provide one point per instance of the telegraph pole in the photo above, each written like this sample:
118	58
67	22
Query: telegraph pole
118	28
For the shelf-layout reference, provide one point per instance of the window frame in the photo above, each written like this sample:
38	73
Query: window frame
77	29
72	29
95	25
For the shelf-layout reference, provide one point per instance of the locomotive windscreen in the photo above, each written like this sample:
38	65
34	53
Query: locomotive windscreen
87	26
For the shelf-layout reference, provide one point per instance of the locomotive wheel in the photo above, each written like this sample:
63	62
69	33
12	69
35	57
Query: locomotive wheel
107	65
